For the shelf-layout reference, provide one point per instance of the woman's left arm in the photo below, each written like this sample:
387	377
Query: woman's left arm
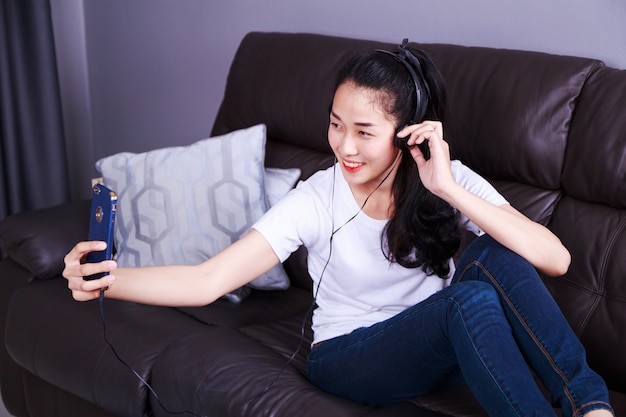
507	225
504	223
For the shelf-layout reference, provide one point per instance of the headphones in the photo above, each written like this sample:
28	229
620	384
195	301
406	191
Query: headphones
422	93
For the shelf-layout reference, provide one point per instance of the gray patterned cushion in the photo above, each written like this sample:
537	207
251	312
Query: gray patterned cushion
278	182
182	205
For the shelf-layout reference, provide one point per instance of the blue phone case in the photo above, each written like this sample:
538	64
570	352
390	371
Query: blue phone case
101	224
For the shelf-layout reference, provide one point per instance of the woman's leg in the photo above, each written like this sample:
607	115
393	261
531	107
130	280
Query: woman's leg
542	332
462	327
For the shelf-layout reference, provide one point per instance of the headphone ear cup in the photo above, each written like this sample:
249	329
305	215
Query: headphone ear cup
399	143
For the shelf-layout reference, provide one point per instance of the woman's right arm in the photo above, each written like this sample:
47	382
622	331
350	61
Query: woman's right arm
175	285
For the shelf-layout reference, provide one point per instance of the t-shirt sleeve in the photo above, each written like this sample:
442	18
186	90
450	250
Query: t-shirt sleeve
477	185
294	221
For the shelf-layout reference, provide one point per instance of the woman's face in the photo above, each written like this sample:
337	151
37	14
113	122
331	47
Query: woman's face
361	136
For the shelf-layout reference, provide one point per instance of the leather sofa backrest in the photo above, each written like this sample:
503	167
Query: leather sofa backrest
510	116
510	111
591	221
595	168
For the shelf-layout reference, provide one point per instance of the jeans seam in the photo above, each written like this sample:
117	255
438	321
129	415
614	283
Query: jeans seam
529	331
579	412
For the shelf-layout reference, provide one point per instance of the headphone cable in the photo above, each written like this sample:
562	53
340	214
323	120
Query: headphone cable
302	328
139	377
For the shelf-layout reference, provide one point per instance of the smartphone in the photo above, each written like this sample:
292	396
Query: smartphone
102	224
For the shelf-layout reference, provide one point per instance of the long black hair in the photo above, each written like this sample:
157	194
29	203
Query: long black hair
423	230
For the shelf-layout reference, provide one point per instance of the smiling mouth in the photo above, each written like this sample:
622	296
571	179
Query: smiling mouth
352	166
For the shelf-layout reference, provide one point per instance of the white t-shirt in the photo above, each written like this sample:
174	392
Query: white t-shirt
359	286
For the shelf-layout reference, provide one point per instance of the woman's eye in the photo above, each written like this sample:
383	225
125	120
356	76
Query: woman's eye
363	133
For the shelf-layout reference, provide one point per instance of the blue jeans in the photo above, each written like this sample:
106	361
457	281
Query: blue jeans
485	330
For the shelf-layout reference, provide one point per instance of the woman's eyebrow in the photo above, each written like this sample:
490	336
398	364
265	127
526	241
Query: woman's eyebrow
362	124
335	115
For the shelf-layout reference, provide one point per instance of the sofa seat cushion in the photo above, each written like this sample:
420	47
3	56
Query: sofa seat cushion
231	374
240	372
61	341
291	338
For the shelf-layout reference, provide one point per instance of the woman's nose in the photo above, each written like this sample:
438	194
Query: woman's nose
348	145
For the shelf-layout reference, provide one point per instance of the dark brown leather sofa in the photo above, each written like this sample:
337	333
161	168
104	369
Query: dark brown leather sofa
550	133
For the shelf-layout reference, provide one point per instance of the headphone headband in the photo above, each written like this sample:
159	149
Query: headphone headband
411	63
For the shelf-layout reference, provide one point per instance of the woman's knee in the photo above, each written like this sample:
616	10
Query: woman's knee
473	290
476	313
475	298
486	259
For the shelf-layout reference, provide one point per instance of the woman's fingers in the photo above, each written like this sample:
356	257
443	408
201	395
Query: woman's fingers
418	133
75	270
80	250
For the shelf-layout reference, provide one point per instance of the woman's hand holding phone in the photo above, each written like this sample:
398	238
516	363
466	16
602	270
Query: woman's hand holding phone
88	265
75	271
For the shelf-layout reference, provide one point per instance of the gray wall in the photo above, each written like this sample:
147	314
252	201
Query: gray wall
142	74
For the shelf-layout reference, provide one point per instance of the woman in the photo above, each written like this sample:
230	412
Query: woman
380	227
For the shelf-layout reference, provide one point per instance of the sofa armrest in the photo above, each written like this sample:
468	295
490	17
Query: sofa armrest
38	240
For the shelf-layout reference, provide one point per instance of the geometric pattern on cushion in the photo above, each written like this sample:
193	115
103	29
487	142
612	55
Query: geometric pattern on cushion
183	204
